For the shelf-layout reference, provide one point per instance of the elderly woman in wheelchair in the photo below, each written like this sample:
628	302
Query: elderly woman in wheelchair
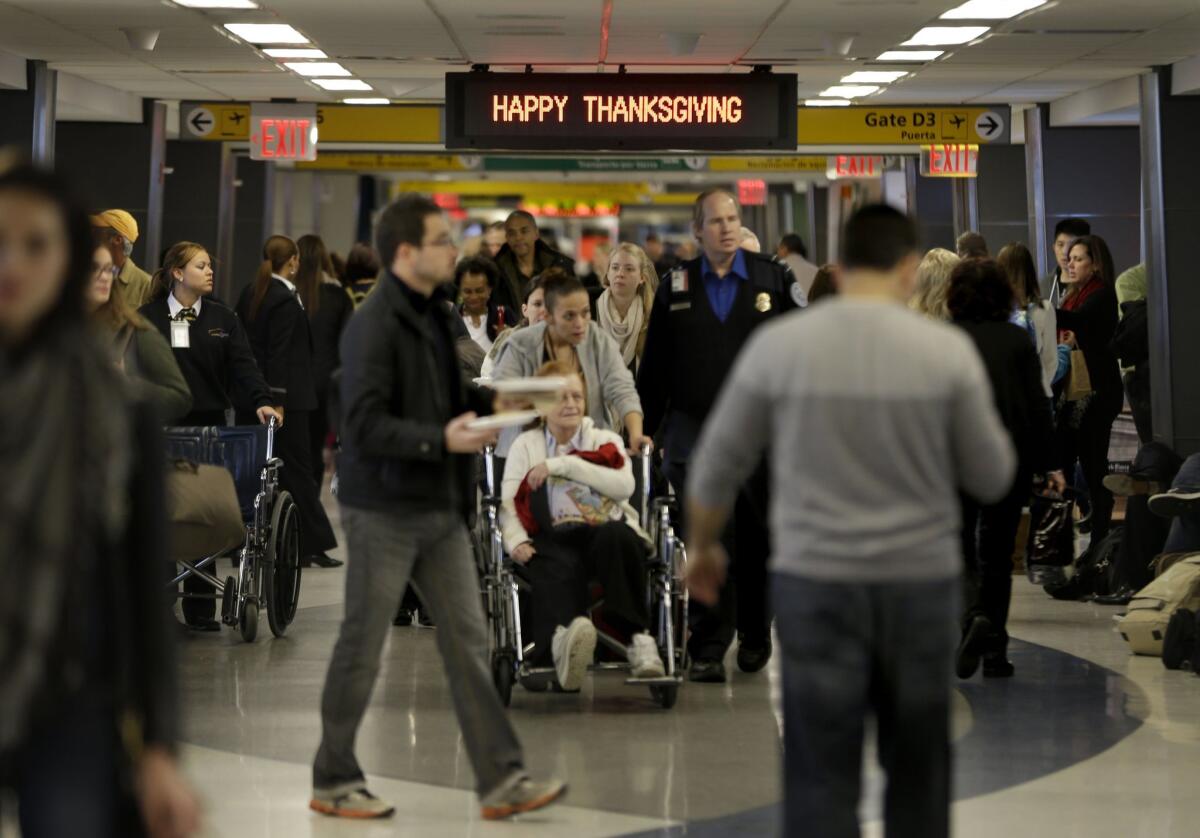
566	521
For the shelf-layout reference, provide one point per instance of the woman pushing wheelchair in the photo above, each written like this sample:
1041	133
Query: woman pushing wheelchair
566	520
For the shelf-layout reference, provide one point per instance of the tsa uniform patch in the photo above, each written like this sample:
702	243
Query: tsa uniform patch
798	295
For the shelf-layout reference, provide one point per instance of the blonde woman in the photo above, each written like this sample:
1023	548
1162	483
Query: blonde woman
933	283
623	310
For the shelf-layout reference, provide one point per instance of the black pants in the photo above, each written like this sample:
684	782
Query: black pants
318	430
566	561
1137	389
1089	445
293	445
989	535
743	603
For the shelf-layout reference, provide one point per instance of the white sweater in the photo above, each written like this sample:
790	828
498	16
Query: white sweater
529	450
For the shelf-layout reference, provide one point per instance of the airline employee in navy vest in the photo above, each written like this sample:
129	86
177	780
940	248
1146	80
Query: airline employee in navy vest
703	313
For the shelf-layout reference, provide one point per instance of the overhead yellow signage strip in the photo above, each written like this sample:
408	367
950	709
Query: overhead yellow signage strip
230	122
907	125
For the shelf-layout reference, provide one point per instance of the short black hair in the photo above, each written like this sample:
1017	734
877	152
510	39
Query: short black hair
477	265
557	283
877	237
792	243
1073	227
979	292
362	262
971	245
528	216
402	222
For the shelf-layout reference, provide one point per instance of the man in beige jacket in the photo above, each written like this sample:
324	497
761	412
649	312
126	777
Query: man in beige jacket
118	231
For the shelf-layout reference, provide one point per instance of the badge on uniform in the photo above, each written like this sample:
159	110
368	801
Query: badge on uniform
180	338
798	296
679	280
763	302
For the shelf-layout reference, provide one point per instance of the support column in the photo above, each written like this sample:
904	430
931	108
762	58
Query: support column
45	108
965	197
271	176
1170	215
227	284
1035	191
152	235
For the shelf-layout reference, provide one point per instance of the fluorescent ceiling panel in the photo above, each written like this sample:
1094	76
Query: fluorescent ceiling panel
849	91
991	9
911	55
266	33
217	4
368	100
874	76
314	69
933	36
342	84
294	52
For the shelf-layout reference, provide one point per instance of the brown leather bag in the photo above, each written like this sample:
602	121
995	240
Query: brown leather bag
203	511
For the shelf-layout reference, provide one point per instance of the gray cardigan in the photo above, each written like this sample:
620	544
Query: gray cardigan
609	382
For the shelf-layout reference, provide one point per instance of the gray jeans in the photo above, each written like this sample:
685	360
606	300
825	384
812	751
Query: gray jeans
850	650
386	550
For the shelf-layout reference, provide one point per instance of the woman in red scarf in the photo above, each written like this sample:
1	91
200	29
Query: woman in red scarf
567	520
1088	316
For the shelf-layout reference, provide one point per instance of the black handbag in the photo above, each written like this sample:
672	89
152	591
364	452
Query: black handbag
1051	545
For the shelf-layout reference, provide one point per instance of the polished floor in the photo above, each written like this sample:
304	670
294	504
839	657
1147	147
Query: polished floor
1085	741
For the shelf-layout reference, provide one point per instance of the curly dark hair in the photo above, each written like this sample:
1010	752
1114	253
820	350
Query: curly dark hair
478	265
979	292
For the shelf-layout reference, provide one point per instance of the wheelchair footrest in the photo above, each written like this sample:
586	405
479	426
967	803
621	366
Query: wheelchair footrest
665	681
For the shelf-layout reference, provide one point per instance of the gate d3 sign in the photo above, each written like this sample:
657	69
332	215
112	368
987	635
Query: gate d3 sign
283	132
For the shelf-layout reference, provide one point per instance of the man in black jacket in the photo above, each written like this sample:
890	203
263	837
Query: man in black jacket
703	313
405	488
523	257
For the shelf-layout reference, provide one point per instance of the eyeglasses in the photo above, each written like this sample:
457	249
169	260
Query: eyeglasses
112	270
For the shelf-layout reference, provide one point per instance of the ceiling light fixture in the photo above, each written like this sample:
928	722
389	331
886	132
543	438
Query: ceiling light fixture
316	68
910	55
216	4
342	84
826	103
934	36
294	52
266	33
873	76
849	91
368	100
991	9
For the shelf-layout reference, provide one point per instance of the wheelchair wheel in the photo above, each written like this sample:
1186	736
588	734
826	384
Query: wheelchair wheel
504	668
249	621
665	695
281	584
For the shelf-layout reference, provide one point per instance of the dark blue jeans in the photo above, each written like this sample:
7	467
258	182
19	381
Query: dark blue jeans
849	650
1185	530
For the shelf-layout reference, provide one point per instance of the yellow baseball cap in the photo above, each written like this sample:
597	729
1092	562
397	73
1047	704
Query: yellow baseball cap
119	220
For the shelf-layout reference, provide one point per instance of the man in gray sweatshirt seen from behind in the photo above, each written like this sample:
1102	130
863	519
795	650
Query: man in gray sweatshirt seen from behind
875	418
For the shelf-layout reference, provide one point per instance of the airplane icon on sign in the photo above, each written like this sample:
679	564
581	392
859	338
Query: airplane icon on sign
957	120
237	118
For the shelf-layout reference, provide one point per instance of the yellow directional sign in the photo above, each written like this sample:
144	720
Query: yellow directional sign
535	191
797	163
884	125
366	161
230	121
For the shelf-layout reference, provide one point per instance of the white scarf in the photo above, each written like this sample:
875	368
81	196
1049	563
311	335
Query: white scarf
625	330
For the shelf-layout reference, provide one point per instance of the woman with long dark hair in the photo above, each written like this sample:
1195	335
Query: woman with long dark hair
362	270
88	705
1032	313
329	309
282	342
980	301
1087	318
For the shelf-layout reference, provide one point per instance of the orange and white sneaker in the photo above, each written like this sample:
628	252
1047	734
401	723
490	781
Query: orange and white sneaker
522	795
353	801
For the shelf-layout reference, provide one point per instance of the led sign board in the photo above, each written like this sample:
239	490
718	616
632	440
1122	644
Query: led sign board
560	111
283	132
950	160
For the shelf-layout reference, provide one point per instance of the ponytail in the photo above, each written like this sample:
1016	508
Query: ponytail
277	251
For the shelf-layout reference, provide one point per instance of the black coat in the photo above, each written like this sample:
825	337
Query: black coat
689	352
1094	324
219	365
394	403
1015	371
510	290
327	324
282	342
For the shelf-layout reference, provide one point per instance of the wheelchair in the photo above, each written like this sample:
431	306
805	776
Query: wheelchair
268	560
502	587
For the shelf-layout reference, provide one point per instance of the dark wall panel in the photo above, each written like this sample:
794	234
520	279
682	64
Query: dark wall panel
935	212
190	196
1003	210
248	235
16	117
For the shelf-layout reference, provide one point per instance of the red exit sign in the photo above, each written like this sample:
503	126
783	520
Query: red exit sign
283	132
950	160
842	166
752	193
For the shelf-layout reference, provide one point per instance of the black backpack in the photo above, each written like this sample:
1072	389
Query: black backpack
1094	570
1179	642
1131	340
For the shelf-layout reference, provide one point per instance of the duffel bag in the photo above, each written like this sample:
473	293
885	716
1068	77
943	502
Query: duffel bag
203	511
1144	625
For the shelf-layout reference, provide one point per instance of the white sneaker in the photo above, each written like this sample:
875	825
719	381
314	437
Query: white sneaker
573	649
644	660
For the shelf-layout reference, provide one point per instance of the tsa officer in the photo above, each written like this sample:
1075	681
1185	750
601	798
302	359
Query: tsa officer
704	311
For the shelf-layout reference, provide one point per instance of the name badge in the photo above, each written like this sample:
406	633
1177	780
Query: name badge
679	280
180	338
680	306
